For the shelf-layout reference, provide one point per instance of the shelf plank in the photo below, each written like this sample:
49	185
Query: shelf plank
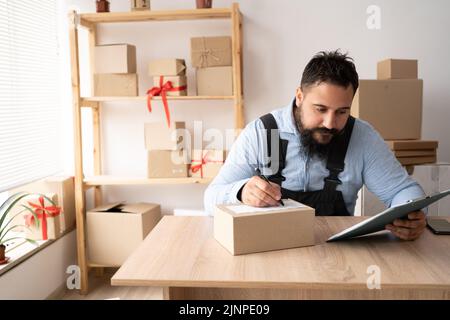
87	101
154	15
115	180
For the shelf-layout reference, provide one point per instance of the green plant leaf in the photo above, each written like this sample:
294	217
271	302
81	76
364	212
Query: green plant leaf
10	220
9	204
8	230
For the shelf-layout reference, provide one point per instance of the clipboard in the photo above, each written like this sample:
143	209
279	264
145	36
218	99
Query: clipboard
379	221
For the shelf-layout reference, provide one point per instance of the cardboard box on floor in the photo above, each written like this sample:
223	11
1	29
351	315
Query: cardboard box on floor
241	229
397	69
215	81
167	67
115	58
211	52
115	85
177	81
213	162
168	164
392	107
115	230
158	136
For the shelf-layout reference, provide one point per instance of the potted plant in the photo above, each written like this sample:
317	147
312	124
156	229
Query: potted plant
5	222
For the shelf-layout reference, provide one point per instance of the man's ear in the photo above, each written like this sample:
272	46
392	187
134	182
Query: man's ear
299	96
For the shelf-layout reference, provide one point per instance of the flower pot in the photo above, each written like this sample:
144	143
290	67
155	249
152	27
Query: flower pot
2	252
102	5
202	4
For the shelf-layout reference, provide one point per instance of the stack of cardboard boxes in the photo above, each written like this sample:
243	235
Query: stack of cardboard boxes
166	147
173	70
115	70
393	105
212	58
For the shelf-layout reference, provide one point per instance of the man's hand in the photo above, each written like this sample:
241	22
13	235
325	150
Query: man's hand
259	193
409	229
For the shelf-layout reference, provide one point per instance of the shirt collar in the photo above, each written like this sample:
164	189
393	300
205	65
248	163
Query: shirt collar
289	124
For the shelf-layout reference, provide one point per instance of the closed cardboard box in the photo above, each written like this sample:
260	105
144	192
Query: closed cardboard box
206	163
167	67
115	85
140	5
397	69
211	52
176	81
168	164
158	136
393	107
115	230
416	160
243	229
115	58
215	81
47	226
412	144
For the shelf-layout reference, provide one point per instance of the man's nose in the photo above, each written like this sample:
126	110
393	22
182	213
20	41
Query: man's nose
329	121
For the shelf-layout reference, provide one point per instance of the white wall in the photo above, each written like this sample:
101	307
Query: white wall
279	38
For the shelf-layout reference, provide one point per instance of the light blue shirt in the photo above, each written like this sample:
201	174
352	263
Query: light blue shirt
368	161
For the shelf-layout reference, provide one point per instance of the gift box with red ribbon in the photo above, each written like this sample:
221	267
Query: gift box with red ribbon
42	217
206	163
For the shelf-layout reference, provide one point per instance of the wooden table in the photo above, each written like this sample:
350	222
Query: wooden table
181	255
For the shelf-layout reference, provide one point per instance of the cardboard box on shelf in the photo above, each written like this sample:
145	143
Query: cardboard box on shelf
167	67
412	144
415	153
177	81
115	85
211	52
45	223
215	81
243	229
206	163
140	5
168	164
115	230
158	136
115	58
397	69
392	107
416	160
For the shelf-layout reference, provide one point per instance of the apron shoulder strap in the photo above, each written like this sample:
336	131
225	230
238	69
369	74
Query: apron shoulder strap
272	132
336	156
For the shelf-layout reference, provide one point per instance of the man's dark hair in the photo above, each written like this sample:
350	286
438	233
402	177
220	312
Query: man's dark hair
332	67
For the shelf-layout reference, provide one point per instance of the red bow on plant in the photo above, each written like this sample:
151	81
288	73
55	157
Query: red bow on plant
42	212
162	91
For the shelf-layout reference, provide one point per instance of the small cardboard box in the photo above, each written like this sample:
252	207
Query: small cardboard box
168	164
393	107
140	5
397	69
206	163
167	67
211	52
215	81
177	81
416	160
115	58
160	137
243	229
412	144
115	230
48	226
115	85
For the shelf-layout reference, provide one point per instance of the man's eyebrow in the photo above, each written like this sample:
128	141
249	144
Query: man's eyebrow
324	106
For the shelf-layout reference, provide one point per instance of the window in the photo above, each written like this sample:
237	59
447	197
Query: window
30	107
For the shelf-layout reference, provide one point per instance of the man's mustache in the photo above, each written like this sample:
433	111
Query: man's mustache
325	131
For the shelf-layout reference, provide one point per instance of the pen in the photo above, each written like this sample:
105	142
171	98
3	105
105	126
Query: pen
258	173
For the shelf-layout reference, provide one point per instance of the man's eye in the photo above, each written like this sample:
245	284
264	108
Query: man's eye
342	111
321	110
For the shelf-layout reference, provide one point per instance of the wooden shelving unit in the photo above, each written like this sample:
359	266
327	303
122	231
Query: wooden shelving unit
82	183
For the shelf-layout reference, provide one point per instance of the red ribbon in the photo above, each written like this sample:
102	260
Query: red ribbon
202	162
42	212
162	91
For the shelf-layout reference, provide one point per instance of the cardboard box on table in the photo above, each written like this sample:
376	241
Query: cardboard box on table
168	164
397	69
115	58
115	230
206	163
392	107
158	136
241	229
177	81
167	67
115	85
215	81
211	52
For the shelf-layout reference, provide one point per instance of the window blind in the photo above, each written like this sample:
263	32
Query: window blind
30	110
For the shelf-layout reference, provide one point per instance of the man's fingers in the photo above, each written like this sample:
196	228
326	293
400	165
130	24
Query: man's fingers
412	224
269	189
416	215
405	233
264	199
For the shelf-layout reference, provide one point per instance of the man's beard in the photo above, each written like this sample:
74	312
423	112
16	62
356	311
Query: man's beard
311	145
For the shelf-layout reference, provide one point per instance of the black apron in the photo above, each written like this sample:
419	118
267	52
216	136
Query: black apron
328	201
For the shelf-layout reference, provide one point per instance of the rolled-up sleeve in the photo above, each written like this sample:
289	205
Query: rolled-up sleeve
237	169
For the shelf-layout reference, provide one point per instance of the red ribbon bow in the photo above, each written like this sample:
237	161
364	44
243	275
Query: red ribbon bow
202	162
42	212
162	91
